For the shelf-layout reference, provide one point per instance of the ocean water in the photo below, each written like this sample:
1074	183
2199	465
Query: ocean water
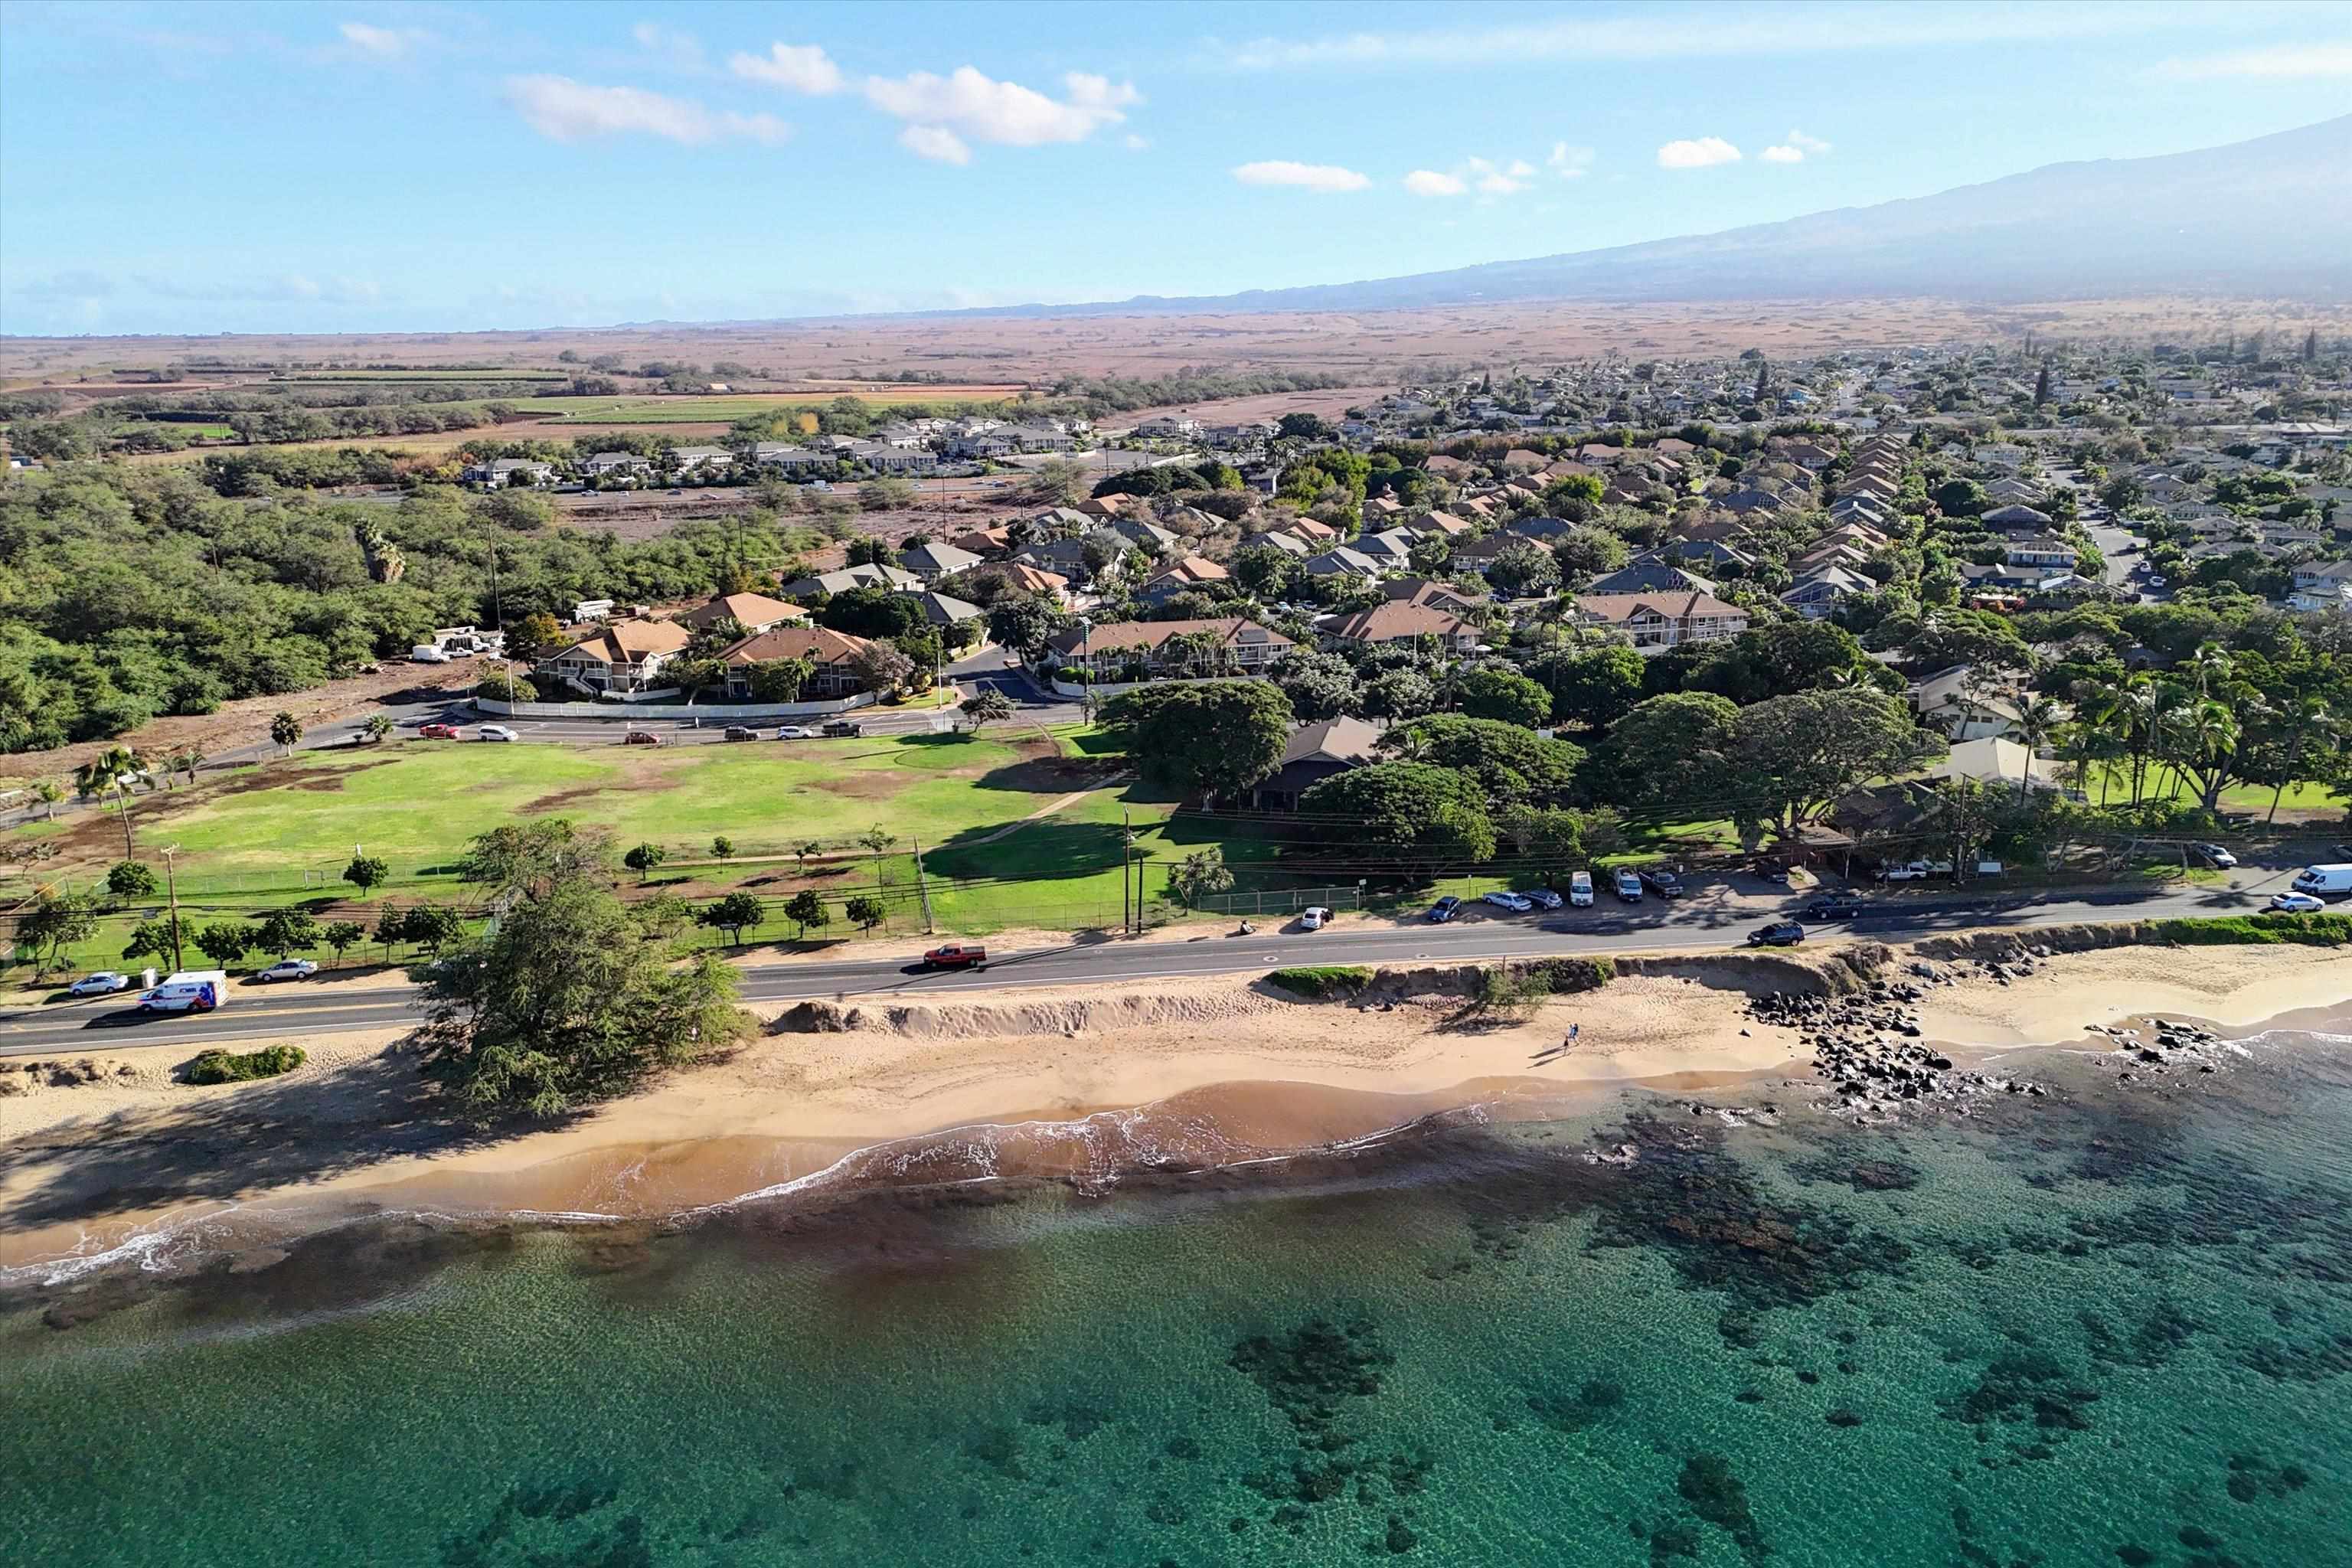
2110	1327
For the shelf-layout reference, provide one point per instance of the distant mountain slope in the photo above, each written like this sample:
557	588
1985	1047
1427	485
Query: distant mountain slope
2273	215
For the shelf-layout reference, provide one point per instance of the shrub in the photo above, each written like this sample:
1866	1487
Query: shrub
1566	976
1322	981
234	1067
503	688
2328	930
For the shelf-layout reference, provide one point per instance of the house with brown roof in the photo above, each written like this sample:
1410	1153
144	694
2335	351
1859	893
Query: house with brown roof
1318	751
752	612
1401	623
626	656
1192	572
1656	622
1119	649
1019	577
831	657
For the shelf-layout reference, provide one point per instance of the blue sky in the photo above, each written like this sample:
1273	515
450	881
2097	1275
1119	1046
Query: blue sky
288	167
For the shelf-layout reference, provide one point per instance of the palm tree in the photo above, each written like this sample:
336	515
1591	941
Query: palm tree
2211	731
2310	720
2096	712
187	762
110	770
2039	720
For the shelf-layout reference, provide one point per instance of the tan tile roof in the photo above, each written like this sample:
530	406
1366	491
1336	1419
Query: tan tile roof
751	609
1680	605
818	645
629	642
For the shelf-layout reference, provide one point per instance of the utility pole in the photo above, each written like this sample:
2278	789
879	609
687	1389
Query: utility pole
923	887
172	886
1125	912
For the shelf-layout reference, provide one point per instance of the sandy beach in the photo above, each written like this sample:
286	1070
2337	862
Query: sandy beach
1078	1082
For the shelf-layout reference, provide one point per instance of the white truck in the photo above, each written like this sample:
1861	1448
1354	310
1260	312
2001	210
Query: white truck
2325	881
189	991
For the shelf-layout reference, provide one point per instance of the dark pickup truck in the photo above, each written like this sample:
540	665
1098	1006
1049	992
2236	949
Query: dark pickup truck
843	727
956	956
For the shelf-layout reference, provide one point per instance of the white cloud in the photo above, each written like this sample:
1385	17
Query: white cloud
1491	181
562	110
676	51
935	143
1698	154
1569	162
968	104
1784	154
2276	62
1804	144
384	43
1306	176
1762	32
1138	143
1430	182
803	68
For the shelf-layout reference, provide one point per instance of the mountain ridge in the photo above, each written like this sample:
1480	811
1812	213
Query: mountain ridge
2175	222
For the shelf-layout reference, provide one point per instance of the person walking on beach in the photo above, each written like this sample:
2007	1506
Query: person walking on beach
1573	1030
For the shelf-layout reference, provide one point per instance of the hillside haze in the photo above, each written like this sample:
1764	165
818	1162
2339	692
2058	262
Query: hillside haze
2273	215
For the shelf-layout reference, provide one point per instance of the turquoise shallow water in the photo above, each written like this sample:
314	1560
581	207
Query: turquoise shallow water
2113	1330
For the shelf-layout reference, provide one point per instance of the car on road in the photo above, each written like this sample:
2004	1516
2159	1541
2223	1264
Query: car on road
1772	871
1628	886
794	733
1541	898
2157	583
1662	882
1914	870
1314	916
1503	899
436	731
2215	855
1780	934
741	732
2295	904
1580	889
957	955
838	728
497	732
105	982
1444	910
641	738
286	969
1833	910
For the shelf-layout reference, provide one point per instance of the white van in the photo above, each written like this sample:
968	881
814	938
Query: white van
1580	889
190	991
428	653
2325	881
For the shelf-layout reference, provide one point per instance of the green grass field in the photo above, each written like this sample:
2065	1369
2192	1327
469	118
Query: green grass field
2114	785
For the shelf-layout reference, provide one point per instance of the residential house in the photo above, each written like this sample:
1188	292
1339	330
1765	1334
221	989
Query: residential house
613	465
1018	578
622	656
984	541
1147	537
690	459
932	562
1401	623
2016	519
752	612
848	577
1997	760
1819	592
505	471
1289	544
1656	622
1392	550
1542	530
784	455
1041	438
832	655
946	610
1318	751
1433	594
1168	428
1192	572
1648	577
1963	705
1116	649
2048	551
1341	561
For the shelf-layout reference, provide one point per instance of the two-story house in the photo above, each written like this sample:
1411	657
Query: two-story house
623	655
833	661
1656	622
1116	648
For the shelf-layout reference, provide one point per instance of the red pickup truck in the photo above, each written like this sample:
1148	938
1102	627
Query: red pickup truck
436	731
954	956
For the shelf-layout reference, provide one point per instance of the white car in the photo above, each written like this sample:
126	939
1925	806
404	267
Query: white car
1580	889
1314	916
288	969
796	732
2216	856
1504	900
2294	904
497	732
105	982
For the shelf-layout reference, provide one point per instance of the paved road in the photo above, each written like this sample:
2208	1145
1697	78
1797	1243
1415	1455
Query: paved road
324	1008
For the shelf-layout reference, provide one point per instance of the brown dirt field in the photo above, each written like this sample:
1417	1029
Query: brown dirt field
1369	346
246	722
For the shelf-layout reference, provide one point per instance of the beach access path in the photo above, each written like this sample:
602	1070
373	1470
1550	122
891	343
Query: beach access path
297	1013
